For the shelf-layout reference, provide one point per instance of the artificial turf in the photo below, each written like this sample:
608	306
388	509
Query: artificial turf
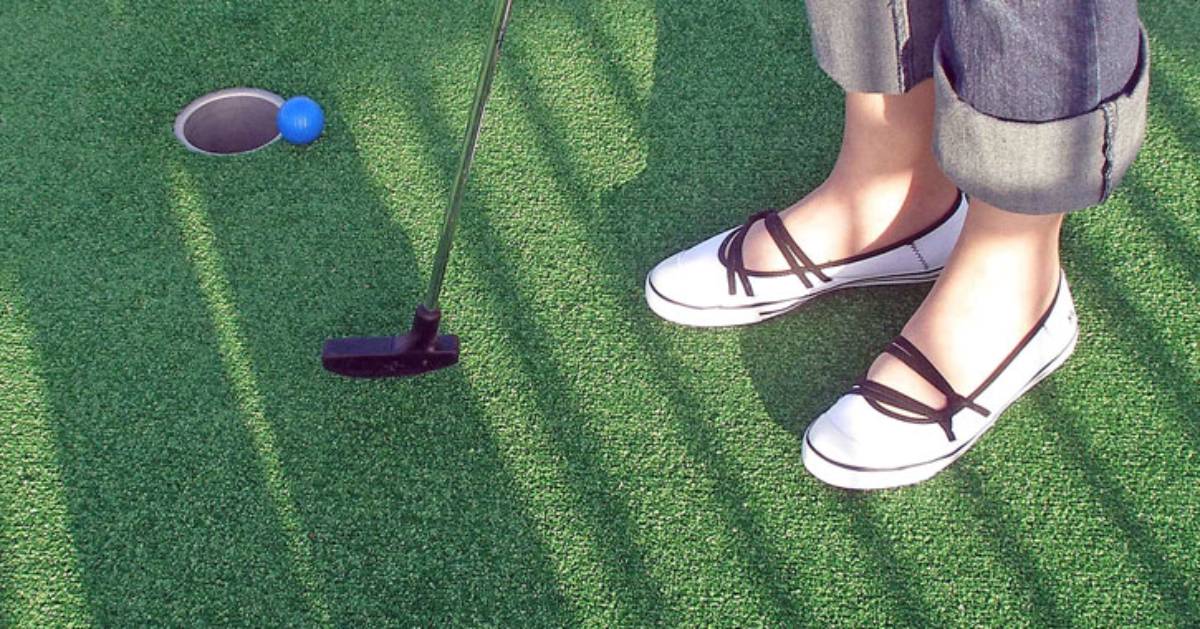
172	453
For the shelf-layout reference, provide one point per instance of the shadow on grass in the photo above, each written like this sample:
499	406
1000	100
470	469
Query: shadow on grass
39	577
402	496
1166	366
166	508
415	517
1177	590
1171	106
409	508
597	495
673	184
711	161
1167	377
613	275
817	369
998	523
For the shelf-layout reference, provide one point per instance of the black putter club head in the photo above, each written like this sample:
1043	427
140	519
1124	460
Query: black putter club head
420	351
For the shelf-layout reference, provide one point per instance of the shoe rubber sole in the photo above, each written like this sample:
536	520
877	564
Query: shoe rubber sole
839	475
718	317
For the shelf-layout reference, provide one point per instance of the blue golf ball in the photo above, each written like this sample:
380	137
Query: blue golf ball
300	120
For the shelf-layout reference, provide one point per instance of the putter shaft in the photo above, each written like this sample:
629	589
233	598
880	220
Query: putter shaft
484	88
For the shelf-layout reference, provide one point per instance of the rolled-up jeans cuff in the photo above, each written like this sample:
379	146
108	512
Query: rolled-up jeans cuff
878	47
1041	167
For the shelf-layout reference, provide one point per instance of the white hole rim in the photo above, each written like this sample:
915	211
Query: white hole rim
232	92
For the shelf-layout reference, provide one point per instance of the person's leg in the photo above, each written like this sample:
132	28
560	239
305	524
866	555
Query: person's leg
886	184
1048	84
1040	110
885	215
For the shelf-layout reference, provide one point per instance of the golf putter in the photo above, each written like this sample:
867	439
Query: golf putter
423	349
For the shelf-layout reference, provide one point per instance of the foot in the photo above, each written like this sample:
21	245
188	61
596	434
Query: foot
712	284
885	187
999	319
884	215
851	214
999	281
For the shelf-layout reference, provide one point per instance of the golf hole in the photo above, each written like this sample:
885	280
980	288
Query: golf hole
229	122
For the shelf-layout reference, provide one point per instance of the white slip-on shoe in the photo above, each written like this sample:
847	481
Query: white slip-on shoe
876	437
709	285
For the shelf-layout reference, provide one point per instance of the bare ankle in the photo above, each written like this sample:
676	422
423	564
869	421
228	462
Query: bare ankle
1012	243
886	163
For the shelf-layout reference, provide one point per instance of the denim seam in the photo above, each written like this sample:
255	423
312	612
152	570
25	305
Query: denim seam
1109	109
1093	22
1041	167
901	33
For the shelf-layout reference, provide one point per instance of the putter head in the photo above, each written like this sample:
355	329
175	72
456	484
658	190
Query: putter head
420	351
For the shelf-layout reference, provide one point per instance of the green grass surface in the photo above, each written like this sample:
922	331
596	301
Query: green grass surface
172	453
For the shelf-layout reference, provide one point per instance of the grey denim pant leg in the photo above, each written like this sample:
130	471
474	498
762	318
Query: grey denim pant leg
880	46
1041	105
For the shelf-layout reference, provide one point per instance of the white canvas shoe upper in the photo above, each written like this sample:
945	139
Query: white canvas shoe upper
707	285
873	437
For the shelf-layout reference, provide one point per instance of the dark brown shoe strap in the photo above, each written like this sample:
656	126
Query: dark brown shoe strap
731	255
881	396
